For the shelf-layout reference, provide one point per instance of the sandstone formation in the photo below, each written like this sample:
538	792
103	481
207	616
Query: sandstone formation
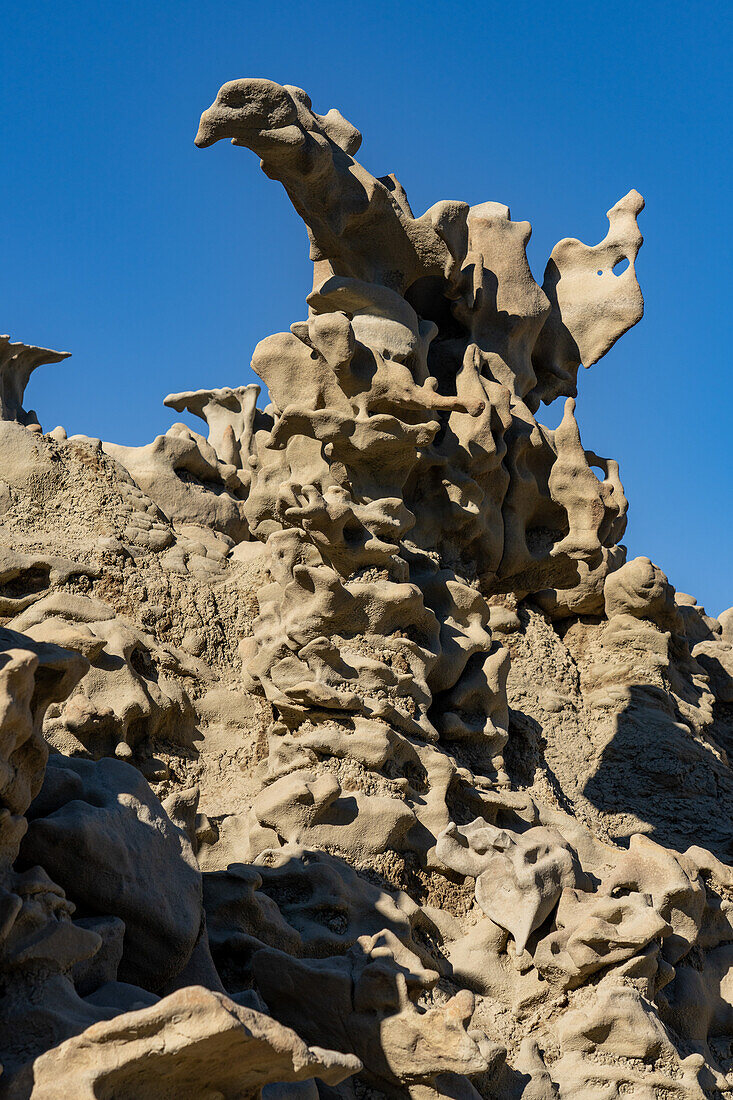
376	770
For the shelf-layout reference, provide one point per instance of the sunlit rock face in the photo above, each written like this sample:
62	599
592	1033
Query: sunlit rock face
377	769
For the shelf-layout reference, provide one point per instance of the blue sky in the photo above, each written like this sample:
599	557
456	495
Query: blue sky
160	265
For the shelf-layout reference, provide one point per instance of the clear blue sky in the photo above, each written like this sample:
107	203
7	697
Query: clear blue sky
160	265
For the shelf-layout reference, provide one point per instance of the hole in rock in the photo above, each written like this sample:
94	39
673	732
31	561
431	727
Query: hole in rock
429	299
26	583
142	663
353	533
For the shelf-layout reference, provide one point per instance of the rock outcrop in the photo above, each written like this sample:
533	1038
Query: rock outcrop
376	768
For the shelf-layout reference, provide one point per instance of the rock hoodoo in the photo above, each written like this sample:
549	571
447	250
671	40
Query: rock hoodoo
376	770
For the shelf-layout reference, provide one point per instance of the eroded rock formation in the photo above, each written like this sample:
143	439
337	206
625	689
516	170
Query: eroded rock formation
376	768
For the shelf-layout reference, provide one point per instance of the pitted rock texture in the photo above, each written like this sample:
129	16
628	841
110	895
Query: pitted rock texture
377	770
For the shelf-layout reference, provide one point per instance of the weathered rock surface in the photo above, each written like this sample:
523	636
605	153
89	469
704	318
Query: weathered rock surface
377	769
192	1044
